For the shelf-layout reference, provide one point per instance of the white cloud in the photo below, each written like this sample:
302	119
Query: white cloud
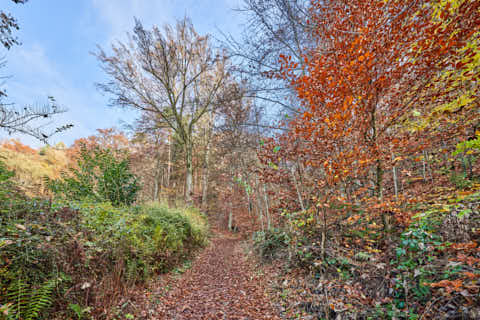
119	14
36	77
41	69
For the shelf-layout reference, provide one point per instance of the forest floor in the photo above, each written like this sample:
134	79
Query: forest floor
223	282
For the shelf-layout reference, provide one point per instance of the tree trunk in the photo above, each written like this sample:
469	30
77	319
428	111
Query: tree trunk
260	211
324	232
158	174
470	167
395	180
379	180
169	161
230	213
249	201
259	204
267	211
379	193
189	172
230	218
155	189
424	167
206	166
299	195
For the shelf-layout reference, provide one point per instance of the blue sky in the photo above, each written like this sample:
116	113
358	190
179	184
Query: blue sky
58	36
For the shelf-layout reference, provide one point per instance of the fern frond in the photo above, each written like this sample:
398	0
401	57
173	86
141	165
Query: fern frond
40	299
29	303
18	295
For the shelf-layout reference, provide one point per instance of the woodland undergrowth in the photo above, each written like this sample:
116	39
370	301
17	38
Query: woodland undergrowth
425	267
77	258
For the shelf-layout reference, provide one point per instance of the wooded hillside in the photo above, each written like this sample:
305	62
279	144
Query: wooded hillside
333	146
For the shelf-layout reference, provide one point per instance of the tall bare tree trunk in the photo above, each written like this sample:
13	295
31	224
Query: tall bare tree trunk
324	232
379	180
267	211
249	201
259	204
230	217
156	186
395	180
155	189
158	173
169	161
299	195
206	167
470	168
189	172
424	167
205	184
230	212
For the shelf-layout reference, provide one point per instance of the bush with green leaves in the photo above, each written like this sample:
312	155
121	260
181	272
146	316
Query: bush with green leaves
468	147
99	175
7	189
413	269
269	242
76	244
29	277
468	152
148	238
421	257
51	252
460	180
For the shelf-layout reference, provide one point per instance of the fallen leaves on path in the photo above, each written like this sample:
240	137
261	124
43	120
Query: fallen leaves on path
222	284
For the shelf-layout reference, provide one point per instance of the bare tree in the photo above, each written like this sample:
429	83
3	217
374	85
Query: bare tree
24	120
173	73
27	120
272	28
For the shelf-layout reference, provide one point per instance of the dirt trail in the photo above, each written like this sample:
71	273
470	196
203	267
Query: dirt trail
221	284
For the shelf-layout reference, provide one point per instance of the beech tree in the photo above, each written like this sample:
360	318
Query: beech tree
171	73
370	72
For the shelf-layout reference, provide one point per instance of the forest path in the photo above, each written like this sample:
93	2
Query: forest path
221	284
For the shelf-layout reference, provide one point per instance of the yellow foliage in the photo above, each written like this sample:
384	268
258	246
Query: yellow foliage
460	82
32	168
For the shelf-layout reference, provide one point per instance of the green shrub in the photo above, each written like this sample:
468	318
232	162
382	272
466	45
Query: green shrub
51	252
267	243
189	220
29	279
6	185
468	147
77	243
148	238
460	180
100	176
